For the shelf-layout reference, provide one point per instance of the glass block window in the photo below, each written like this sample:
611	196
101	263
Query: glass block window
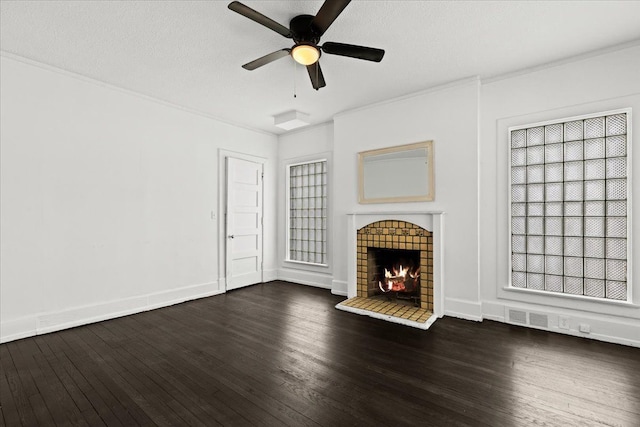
569	191
308	212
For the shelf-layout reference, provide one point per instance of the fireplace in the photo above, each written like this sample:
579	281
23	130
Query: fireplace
394	267
395	261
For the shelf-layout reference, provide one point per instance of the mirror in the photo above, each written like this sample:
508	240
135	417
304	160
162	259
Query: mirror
396	174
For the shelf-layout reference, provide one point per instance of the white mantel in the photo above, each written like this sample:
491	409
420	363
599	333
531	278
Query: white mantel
432	221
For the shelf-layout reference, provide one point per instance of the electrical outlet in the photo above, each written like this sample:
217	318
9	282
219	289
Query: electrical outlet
563	322
585	328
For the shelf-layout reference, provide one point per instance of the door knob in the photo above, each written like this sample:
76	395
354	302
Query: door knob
231	236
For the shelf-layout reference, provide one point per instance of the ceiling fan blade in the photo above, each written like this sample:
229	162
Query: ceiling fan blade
266	59
315	73
328	13
353	51
256	16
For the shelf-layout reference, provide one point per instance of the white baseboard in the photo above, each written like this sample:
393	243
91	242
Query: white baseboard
15	329
55	321
339	287
463	309
317	280
602	328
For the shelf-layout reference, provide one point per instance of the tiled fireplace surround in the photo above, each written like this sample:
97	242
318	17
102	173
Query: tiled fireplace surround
398	230
399	235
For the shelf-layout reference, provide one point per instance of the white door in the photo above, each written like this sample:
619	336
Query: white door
244	223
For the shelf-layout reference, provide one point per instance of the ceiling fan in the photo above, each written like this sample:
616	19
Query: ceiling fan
306	30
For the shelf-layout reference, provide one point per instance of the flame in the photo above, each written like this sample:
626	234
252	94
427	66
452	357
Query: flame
396	278
400	272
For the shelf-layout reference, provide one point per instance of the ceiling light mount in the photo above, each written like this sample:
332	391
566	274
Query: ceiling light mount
291	120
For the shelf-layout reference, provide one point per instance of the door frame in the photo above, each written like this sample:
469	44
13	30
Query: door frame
222	211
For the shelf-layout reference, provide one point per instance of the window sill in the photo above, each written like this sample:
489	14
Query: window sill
305	264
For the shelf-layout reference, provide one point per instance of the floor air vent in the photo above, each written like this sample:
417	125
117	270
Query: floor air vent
539	320
518	316
523	317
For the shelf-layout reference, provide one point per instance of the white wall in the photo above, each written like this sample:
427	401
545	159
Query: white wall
448	116
590	85
106	200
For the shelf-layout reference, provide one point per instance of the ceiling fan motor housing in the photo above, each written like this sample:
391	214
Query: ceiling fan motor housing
302	30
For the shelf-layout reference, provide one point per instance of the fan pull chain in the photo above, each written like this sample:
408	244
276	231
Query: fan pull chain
295	71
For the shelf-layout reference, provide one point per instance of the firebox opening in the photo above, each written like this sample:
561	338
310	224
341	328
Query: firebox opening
394	274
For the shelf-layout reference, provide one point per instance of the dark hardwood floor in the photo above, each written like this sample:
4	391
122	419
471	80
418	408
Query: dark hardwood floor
280	354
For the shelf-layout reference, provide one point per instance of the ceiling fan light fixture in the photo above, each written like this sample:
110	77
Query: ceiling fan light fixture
306	32
305	54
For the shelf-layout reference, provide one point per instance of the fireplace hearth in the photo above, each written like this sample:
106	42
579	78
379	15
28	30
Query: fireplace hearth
394	271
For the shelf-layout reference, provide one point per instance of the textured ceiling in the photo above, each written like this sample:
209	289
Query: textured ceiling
190	53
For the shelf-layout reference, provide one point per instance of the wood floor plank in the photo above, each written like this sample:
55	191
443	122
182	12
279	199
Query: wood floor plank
144	406
241	357
209	369
60	404
82	377
151	395
10	414
305	356
98	387
57	366
230	408
238	378
32	407
21	401
192	383
372	410
40	411
242	364
225	393
280	354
